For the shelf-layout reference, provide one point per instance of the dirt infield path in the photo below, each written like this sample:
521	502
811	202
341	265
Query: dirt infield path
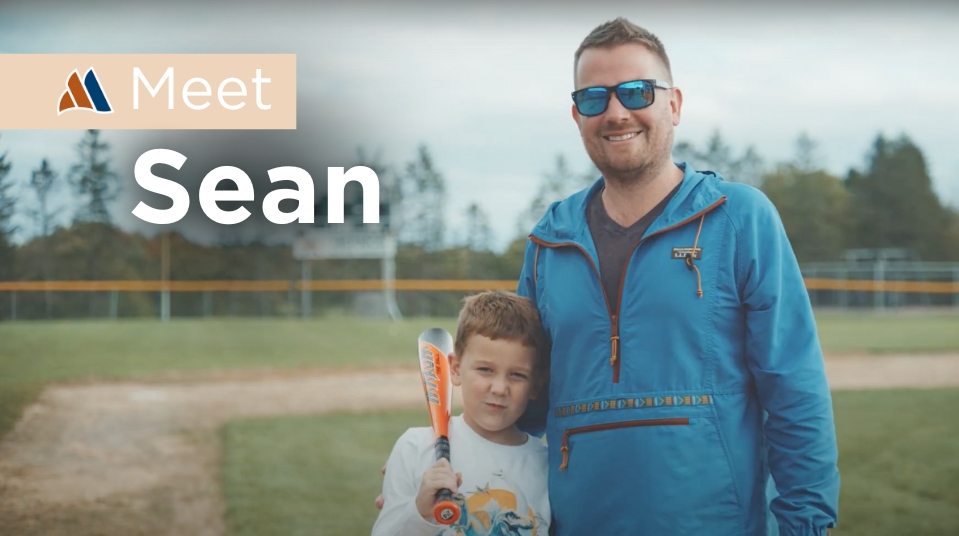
143	458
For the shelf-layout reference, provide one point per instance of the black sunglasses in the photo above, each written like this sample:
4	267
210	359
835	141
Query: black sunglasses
634	95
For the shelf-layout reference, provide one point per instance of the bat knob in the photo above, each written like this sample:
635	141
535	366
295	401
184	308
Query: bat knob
446	513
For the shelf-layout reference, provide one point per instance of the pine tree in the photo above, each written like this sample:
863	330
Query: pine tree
479	235
7	227
43	180
718	156
813	205
93	178
423	193
557	184
896	206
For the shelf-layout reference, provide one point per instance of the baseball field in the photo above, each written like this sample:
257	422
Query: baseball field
280	427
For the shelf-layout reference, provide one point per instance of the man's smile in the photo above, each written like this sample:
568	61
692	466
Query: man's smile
621	137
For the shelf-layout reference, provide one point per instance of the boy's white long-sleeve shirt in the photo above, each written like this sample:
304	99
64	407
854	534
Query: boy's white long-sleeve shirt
504	489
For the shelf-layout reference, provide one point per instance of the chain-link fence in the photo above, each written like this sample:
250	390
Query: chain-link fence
882	284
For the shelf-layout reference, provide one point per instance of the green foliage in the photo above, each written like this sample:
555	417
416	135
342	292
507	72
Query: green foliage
814	208
129	256
891	204
895	205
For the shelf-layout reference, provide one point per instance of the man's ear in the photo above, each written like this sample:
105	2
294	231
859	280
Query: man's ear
455	363
676	105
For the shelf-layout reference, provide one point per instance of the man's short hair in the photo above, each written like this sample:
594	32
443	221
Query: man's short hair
499	314
620	32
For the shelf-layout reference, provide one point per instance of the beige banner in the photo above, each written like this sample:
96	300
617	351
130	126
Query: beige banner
148	91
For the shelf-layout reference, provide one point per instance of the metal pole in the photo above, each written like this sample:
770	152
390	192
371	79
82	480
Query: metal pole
813	294
389	288
13	305
291	299
955	278
207	303
879	297
924	297
114	299
844	294
306	299
165	277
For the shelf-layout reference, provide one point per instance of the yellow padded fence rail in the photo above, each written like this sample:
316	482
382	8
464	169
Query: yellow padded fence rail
344	285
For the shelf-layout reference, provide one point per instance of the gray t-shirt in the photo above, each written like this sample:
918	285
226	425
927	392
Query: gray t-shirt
615	243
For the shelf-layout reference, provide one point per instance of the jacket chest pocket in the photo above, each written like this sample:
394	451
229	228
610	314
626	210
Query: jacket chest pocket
570	432
659	471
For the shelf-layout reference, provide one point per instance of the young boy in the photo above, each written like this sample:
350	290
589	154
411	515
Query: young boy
500	363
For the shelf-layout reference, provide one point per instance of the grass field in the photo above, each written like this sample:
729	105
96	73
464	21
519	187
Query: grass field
319	475
888	333
34	353
38	352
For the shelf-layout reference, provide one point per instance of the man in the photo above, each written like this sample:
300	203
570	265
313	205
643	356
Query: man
686	369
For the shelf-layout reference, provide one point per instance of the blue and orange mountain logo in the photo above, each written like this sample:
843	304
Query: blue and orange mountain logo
87	95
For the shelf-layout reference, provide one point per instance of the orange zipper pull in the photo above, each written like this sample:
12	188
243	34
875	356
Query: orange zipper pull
614	341
565	450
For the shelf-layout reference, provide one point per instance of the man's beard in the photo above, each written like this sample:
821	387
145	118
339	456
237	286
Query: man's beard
650	163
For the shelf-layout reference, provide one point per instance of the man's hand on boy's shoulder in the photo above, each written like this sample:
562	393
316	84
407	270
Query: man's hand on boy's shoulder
440	476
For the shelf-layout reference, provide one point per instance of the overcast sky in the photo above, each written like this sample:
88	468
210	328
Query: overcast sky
486	87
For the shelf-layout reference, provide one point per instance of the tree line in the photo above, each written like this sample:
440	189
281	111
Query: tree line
889	203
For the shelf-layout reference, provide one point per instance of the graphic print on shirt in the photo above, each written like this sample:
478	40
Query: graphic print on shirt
493	511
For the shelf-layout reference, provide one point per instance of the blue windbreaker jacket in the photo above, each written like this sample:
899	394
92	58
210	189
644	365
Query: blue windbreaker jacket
670	415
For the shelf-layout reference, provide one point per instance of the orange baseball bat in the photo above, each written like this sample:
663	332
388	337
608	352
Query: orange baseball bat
434	345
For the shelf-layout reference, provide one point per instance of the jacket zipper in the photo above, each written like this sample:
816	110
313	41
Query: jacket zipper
611	426
614	360
612	318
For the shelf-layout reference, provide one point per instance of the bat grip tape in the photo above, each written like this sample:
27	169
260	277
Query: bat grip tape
442	448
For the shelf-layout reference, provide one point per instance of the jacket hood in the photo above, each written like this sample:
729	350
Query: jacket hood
565	221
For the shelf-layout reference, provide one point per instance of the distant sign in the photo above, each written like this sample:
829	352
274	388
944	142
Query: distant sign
344	244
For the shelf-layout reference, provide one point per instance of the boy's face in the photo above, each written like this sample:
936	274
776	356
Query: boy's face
496	378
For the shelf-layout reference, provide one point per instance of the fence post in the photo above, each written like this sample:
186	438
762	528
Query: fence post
879	297
306	299
13	305
207	303
813	294
955	278
165	276
389	288
844	293
114	299
291	298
